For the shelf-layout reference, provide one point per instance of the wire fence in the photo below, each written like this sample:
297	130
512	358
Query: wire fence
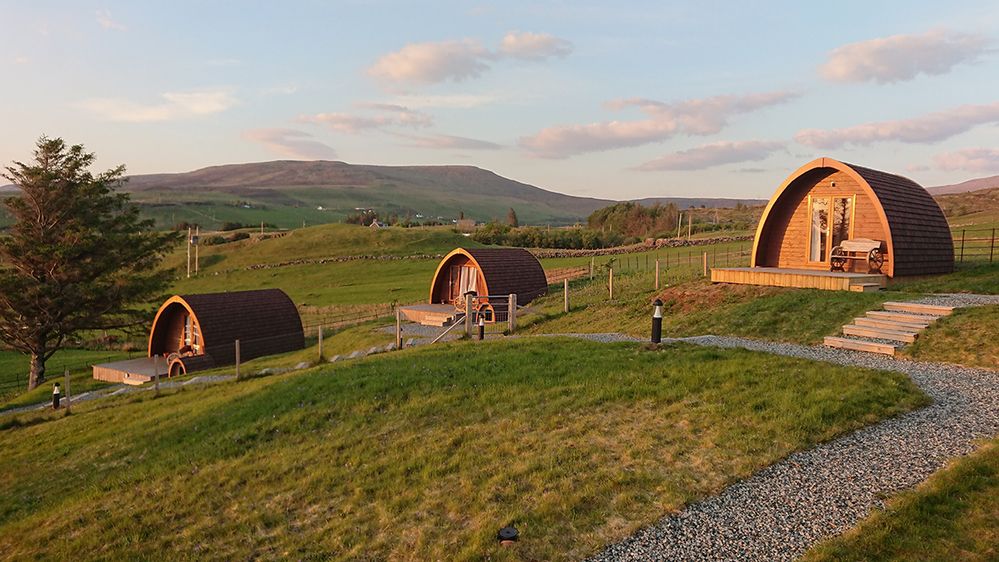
975	245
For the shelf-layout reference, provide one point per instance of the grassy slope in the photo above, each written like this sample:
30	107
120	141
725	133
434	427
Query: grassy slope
952	516
421	454
982	278
697	307
967	337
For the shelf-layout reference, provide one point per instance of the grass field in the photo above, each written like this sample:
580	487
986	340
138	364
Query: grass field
697	307
14	374
952	516
421	454
980	277
967	337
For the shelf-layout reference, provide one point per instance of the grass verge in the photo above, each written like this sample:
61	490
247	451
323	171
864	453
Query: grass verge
966	337
421	454
952	516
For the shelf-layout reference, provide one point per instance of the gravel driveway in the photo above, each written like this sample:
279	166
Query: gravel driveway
779	512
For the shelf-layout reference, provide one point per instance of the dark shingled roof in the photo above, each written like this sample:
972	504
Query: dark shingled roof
265	321
511	270
921	239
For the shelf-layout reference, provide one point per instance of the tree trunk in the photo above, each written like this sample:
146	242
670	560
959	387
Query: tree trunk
37	375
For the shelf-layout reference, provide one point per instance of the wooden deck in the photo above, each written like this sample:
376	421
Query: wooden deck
130	371
800	278
430	314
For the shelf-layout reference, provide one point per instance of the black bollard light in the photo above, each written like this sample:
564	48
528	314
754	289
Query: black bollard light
55	396
482	327
657	322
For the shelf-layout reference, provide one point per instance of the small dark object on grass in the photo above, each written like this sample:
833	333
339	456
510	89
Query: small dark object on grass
507	536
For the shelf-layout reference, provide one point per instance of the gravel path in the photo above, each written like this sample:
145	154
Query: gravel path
779	512
959	299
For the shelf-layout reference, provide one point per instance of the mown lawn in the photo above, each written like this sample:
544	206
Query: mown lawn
422	454
697	307
969	336
952	516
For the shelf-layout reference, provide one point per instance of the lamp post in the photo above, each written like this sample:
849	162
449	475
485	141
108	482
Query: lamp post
657	321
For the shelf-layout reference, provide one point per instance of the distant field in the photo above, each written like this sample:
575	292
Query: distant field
14	369
421	455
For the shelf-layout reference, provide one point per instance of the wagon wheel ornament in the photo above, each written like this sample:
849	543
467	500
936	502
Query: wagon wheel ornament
838	259
875	259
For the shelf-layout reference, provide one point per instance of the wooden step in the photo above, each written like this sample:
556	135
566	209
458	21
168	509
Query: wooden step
901	317
916	308
879	333
890	324
860	345
866	287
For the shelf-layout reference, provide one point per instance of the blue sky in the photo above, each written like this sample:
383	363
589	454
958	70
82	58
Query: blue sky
607	99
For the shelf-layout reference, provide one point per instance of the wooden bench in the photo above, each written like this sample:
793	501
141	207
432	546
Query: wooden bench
871	252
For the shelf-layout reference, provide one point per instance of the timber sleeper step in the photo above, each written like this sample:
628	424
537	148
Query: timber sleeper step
901	317
860	345
889	324
917	308
879	333
865	287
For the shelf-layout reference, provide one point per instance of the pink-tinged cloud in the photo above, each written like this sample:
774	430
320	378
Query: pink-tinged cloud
714	154
430	63
969	160
533	46
928	128
389	115
175	105
450	142
291	143
663	120
105	20
902	57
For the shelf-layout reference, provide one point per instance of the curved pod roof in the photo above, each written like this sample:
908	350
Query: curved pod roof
504	270
918	236
265	321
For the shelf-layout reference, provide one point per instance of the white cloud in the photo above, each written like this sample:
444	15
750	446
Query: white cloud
902	57
663	120
969	160
450	142
175	105
428	63
463	59
927	128
714	154
534	46
389	115
291	143
104	20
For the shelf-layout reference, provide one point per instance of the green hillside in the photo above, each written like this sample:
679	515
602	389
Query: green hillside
420	455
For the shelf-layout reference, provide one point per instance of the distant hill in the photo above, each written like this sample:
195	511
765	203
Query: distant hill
292	193
965	186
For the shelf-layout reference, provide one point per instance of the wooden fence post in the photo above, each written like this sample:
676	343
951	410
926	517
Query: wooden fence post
992	245
398	328
468	315
156	375
705	274
962	246
512	311
610	282
237	359
565	295
591	268
320	331
657	275
69	396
